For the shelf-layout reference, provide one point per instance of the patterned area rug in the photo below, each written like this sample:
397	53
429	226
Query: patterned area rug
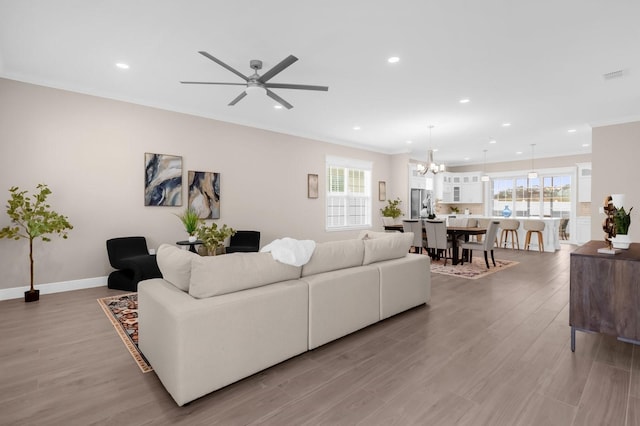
122	311
472	271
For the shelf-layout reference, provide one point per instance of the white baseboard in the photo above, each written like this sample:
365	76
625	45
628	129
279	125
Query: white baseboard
18	292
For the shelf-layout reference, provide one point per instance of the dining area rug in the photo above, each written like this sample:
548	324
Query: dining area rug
122	311
473	271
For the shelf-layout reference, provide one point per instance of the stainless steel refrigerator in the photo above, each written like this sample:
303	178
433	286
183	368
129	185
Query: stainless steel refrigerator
421	203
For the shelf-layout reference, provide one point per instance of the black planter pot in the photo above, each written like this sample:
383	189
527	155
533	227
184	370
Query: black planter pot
32	296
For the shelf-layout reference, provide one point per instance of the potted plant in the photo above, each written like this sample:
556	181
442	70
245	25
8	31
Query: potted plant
212	237
190	219
32	218
392	211
621	221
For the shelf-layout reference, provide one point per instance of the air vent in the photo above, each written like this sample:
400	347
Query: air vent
613	74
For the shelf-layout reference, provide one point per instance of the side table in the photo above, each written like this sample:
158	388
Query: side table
192	245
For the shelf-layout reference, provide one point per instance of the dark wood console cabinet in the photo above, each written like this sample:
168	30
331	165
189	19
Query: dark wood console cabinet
605	292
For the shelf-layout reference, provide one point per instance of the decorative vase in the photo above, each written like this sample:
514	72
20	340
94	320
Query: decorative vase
506	212
621	241
192	238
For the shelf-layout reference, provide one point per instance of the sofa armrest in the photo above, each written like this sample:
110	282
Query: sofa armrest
199	345
404	283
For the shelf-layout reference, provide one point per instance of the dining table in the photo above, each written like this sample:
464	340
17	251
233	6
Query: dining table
461	231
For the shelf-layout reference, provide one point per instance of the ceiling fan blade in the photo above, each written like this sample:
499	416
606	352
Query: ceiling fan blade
211	82
295	86
222	64
238	98
278	68
278	99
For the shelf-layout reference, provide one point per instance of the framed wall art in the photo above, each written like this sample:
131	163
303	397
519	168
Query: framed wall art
204	193
382	190
312	186
162	180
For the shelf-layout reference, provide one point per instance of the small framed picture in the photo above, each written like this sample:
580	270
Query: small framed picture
312	186
382	190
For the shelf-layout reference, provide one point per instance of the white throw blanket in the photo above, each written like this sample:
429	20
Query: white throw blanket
290	251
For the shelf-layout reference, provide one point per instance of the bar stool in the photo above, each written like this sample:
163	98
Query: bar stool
534	227
509	227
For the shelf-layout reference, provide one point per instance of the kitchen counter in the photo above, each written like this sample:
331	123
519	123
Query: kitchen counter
550	235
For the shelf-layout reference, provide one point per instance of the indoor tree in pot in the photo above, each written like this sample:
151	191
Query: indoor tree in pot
191	220
32	218
212	237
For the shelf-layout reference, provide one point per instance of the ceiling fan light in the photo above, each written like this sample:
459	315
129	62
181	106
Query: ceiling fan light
250	90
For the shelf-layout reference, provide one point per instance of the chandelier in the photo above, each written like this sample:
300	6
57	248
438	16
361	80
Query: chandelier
431	166
532	174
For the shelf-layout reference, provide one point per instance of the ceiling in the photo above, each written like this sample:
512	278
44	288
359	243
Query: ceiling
536	65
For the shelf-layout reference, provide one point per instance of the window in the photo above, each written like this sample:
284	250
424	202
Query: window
348	193
548	196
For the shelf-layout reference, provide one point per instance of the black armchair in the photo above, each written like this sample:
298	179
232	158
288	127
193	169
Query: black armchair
134	263
244	241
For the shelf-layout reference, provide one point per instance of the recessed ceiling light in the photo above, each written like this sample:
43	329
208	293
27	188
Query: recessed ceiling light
467	158
493	141
506	124
519	153
465	101
435	149
122	66
277	106
393	60
356	127
585	145
571	131
409	142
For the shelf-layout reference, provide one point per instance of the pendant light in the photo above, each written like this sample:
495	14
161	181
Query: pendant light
485	176
532	174
431	166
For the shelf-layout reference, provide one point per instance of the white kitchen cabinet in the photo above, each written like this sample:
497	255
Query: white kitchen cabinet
584	182
462	188
583	229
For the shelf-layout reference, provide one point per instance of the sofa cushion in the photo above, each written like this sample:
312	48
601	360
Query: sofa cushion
334	255
215	275
369	235
175	265
393	247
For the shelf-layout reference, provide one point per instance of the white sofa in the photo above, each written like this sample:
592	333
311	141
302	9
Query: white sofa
211	321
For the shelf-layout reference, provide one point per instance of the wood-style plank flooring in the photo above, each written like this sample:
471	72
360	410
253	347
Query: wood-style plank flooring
494	351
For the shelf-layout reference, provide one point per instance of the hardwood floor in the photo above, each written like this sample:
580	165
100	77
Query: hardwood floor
493	351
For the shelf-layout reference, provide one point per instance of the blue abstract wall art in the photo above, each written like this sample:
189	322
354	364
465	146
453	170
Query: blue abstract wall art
162	180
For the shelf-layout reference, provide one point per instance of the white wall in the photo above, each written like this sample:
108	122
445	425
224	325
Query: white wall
616	150
90	151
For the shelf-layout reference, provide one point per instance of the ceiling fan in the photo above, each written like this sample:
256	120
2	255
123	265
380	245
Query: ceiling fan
259	83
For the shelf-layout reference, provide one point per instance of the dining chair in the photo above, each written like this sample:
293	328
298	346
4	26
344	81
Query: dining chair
414	226
437	242
487	244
